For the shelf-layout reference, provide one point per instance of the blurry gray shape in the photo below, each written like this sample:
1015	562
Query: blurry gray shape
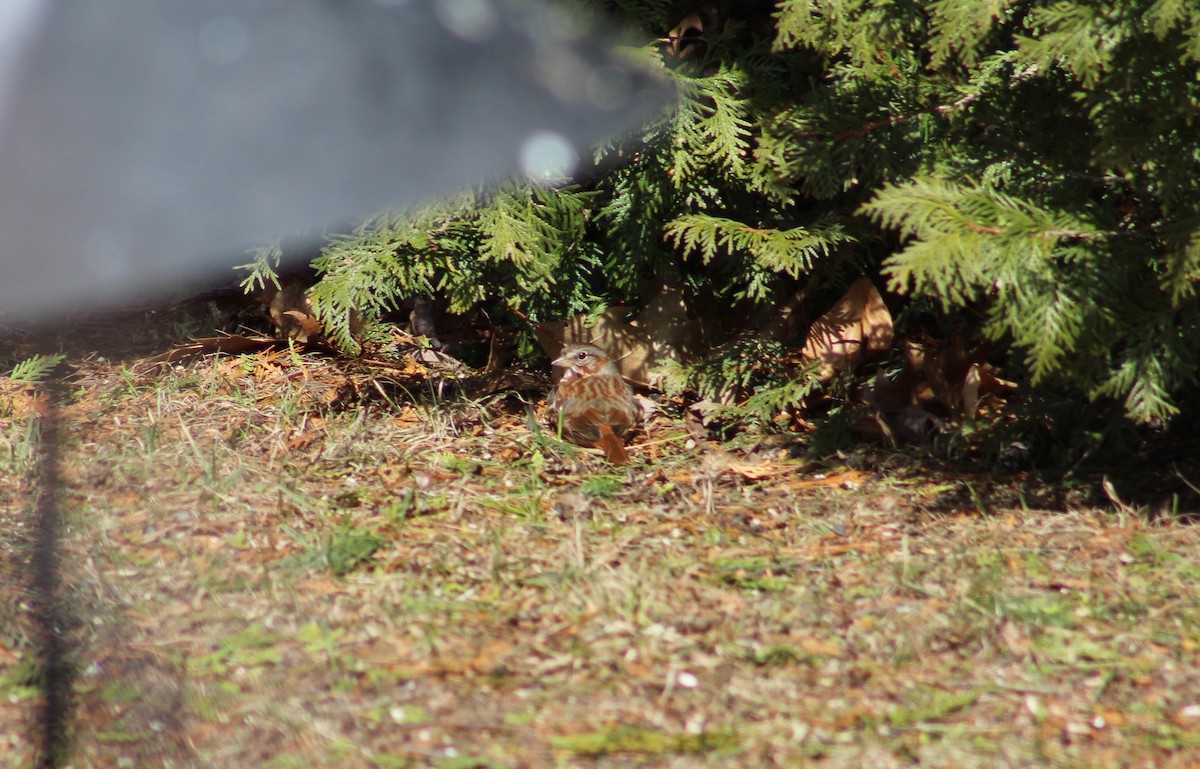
145	141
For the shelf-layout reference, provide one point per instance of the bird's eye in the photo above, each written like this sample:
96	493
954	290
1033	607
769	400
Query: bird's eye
581	355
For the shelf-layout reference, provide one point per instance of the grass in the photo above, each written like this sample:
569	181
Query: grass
269	563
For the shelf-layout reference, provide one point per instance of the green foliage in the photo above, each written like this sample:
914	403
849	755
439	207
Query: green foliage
643	14
521	244
385	259
959	30
748	383
1079	239
540	236
349	548
871	37
1026	166
262	268
792	251
1078	37
732	373
769	401
546	253
36	368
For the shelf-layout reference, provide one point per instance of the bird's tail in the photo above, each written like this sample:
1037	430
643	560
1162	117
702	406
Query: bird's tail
614	447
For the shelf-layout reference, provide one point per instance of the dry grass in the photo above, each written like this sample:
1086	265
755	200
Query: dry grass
270	563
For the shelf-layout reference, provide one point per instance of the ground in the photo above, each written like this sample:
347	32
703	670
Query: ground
281	559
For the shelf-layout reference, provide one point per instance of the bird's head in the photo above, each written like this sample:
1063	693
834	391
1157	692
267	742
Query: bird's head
579	360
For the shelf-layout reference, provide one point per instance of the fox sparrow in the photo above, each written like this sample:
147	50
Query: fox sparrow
594	404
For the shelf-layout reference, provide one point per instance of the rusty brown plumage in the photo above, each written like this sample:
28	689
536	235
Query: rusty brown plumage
595	405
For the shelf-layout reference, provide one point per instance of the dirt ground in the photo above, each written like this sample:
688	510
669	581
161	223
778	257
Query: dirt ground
286	560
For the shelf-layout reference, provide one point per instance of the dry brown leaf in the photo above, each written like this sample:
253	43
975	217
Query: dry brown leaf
293	313
554	335
671	322
23	400
981	380
306	326
858	323
844	478
230	345
758	472
689	29
959	378
951	380
304	439
491	655
820	647
970	391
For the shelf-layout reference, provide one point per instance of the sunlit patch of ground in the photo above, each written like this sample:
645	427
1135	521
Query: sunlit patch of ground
282	560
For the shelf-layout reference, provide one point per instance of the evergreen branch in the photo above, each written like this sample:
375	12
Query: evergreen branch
959	28
893	120
1151	367
928	206
263	268
1075	36
770	400
1079	246
800	22
877	42
968	240
1182	269
789	251
366	273
1167	15
531	233
712	121
34	369
647	14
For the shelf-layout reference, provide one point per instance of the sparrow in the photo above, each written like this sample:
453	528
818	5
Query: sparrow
592	403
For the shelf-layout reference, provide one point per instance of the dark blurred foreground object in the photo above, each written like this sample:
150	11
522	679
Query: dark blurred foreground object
143	142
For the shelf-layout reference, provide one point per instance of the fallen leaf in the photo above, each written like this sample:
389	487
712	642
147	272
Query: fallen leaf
491	656
858	323
686	35
758	472
842	478
690	23
304	439
981	379
293	314
669	320
820	647
229	345
1187	716
970	391
949	380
